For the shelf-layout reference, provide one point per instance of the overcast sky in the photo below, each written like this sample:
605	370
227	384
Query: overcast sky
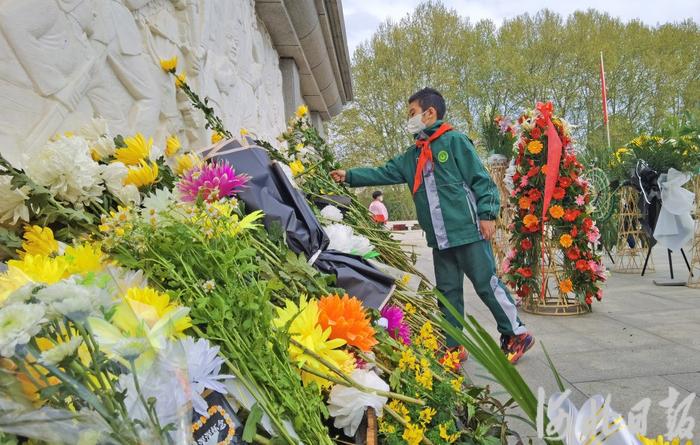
362	17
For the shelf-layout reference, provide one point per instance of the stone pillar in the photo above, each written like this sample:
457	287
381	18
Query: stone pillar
317	122
291	86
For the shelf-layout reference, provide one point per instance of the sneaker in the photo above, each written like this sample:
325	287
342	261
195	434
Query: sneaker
519	345
449	359
505	340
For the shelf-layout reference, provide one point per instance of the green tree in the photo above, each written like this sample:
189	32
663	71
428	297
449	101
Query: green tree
652	73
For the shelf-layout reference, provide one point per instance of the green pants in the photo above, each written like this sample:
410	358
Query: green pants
476	261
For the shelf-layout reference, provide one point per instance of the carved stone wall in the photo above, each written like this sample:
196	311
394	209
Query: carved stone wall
65	61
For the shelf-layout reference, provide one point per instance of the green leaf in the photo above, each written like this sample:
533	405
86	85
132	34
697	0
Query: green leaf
251	424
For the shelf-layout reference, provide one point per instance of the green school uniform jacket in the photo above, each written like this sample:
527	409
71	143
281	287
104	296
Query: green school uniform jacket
455	194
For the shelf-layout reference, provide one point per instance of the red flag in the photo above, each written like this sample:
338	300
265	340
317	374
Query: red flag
605	90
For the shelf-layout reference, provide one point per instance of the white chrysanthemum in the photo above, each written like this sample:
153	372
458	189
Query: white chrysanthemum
59	352
18	324
95	129
332	213
123	279
12	207
66	168
129	194
74	301
203	367
156	204
348	405
344	240
113	175
98	137
158	381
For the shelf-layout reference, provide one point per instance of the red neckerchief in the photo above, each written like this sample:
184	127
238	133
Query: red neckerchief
426	154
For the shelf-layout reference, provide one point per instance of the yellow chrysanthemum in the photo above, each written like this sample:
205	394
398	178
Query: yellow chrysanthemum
427	337
400	409
302	111
11	280
180	80
143	175
297	167
172	145
304	327
425	378
426	415
216	137
661	441
38	241
169	65
413	434
408	360
137	149
535	147
457	383
449	438
244	132
187	161
84	258
409	308
149	306
41	268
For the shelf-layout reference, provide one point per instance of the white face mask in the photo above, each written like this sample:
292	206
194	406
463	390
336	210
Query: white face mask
415	124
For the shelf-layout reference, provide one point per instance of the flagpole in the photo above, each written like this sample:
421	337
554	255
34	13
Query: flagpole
605	100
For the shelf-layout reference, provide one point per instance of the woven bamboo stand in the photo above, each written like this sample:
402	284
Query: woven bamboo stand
500	243
694	281
630	259
555	302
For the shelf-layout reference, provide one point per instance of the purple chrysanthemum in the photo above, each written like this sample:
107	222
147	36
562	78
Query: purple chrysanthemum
211	182
396	327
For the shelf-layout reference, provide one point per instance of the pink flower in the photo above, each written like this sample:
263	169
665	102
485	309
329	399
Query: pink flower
580	200
211	182
396	327
505	265
511	254
524	181
594	235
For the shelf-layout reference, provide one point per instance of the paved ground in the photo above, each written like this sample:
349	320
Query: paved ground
639	341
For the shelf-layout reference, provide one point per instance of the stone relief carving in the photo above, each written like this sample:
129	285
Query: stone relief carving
83	58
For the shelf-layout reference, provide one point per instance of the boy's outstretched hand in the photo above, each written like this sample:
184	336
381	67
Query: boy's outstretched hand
338	175
488	228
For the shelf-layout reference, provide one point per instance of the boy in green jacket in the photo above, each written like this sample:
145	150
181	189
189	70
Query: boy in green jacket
457	204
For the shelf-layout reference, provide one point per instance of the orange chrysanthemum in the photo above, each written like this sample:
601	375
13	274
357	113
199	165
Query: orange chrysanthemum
566	240
566	286
530	221
556	212
347	319
524	203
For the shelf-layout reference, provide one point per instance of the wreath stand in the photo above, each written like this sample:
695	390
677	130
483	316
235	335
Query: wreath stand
500	242
555	302
694	279
631	248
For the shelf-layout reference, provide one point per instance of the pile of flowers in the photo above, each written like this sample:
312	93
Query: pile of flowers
660	153
73	179
567	226
90	347
498	132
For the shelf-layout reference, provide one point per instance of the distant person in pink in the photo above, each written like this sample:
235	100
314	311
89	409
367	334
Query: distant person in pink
378	209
